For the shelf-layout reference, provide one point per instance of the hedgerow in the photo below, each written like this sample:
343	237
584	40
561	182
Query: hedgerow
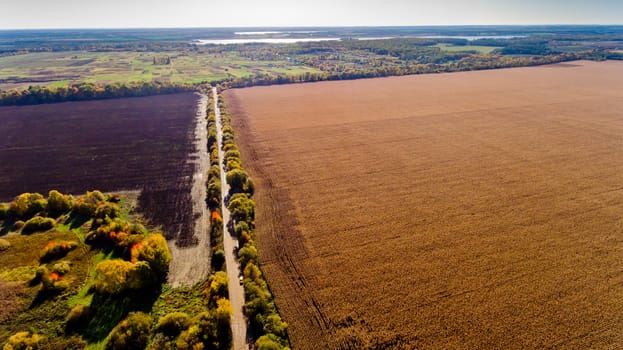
213	193
38	224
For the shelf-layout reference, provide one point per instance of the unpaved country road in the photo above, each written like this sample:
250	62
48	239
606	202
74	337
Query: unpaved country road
190	265
236	291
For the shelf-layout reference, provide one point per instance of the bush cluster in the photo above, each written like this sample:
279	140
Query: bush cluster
140	260
173	323
78	317
208	330
148	265
59	203
116	233
213	193
38	224
27	205
4	211
57	249
89	91
87	204
236	177
131	333
24	341
52	282
266	324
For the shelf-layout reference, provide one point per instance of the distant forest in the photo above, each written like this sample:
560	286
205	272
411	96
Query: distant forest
396	51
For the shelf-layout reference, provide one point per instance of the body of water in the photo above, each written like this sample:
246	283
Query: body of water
286	40
471	37
279	32
261	40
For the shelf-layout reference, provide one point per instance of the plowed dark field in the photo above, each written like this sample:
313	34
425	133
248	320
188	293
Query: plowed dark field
477	210
122	144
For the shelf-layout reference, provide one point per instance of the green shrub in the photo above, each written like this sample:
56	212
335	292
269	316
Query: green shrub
38	224
117	232
131	333
211	138
231	154
58	203
214	157
111	276
218	284
237	179
228	131
54	250
242	208
62	267
233	164
252	272
258	300
4	244
4	211
240	227
214	172
114	277
107	210
190	339
218	260
213	197
274	324
141	277
247	254
230	147
86	205
51	282
269	342
26	205
78	317
173	323
202	334
223	314
24	341
155	251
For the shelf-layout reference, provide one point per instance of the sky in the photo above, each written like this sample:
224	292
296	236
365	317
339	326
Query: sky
21	14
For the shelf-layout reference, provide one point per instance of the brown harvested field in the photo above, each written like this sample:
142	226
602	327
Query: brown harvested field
139	143
476	210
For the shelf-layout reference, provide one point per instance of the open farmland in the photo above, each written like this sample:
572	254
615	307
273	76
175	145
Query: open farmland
64	68
122	144
461	211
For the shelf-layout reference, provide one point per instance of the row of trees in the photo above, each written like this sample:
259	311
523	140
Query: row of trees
213	190
89	91
266	323
465	63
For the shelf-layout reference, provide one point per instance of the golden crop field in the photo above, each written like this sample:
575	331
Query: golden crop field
473	210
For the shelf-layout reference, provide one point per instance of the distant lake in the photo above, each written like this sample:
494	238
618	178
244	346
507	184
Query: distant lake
279	32
261	40
250	39
471	37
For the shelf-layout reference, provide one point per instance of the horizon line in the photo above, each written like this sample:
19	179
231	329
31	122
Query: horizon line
330	26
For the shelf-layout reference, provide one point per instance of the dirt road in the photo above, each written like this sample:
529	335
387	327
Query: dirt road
236	291
192	264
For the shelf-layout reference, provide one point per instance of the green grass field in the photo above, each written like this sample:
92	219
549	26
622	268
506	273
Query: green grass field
63	68
453	48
